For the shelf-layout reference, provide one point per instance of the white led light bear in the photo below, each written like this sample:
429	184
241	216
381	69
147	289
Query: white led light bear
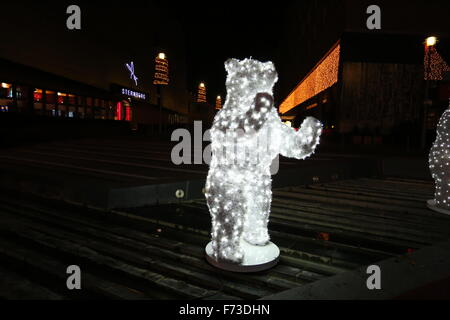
247	134
439	160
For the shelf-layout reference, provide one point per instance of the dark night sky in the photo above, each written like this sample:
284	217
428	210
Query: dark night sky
216	31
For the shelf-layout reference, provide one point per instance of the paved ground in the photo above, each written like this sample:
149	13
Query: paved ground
121	161
117	173
59	206
157	252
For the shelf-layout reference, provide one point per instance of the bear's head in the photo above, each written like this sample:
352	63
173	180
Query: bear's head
248	77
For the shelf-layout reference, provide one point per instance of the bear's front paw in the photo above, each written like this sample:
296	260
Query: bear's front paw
255	118
311	129
308	137
263	102
312	123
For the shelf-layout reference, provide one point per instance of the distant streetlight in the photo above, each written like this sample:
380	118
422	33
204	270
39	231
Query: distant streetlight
431	41
201	95
161	70
161	79
218	103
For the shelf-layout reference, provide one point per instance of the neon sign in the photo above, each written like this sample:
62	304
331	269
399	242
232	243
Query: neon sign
130	68
133	94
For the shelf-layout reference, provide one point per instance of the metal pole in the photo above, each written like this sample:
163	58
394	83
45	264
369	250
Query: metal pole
425	104
158	93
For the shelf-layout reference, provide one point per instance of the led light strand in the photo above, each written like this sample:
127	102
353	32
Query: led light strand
161	70
218	103
434	65
201	95
323	76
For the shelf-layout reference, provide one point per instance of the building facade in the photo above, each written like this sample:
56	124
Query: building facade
367	86
105	70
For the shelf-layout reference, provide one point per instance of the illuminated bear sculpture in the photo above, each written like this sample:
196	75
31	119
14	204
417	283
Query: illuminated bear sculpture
439	160
247	135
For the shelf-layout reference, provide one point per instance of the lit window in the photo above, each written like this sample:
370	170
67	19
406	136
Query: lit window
51	97
72	99
119	111
62	98
6	90
37	95
128	113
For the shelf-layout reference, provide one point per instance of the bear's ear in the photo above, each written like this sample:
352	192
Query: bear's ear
269	65
231	64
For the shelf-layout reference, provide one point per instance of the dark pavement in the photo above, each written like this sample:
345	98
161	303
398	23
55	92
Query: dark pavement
332	214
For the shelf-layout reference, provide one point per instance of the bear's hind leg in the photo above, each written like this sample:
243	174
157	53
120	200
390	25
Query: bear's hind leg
258	202
227	224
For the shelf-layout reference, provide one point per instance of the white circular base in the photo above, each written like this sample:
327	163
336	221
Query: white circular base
256	258
432	205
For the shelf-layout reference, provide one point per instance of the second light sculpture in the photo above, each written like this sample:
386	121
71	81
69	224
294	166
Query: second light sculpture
439	160
247	134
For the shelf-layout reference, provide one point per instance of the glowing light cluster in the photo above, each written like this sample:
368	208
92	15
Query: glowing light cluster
247	134
161	70
119	111
130	67
38	95
201	95
431	41
439	160
127	113
218	103
434	65
323	76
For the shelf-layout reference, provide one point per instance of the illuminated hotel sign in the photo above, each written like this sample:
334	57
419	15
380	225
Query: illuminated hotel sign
321	77
133	94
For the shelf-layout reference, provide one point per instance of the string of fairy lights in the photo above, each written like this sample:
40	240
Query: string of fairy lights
161	70
201	95
323	76
161	77
218	102
434	65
